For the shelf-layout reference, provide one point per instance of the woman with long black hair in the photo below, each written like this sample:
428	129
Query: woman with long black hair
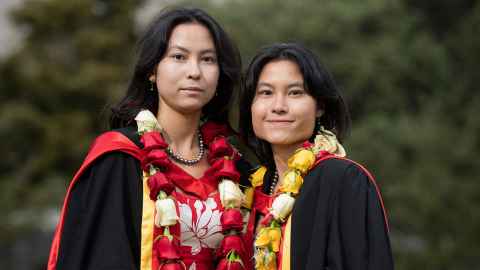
160	191
316	208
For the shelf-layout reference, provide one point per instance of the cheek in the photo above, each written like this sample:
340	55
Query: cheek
307	113
258	113
166	73
212	75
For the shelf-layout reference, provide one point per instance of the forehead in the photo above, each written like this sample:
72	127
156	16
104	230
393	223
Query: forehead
191	35
281	72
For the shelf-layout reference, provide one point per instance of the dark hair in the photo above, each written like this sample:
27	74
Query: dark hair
151	49
318	83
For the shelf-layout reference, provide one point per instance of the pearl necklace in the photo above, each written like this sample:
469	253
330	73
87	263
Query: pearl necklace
188	162
274	183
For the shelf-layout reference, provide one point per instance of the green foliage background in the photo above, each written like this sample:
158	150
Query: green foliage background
408	69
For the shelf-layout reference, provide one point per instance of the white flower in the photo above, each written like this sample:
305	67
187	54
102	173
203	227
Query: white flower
146	122
282	206
203	231
230	194
327	141
166	212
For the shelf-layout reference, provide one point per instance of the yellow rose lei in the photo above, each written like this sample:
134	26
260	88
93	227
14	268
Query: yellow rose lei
268	238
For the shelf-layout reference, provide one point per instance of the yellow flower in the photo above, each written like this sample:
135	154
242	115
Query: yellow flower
270	261
263	239
265	260
275	235
259	258
256	178
302	160
248	199
292	182
269	237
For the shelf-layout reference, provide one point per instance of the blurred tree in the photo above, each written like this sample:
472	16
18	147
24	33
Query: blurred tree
75	58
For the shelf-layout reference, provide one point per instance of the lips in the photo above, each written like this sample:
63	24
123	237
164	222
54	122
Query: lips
279	121
192	89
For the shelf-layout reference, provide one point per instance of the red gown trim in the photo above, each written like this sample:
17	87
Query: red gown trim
107	142
370	177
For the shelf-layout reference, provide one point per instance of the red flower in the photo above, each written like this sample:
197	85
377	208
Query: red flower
231	243
166	249
219	148
232	220
266	220
171	266
159	182
211	130
156	157
322	153
226	169
153	140
307	144
226	264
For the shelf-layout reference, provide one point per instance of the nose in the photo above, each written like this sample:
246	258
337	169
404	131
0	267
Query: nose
194	71
280	105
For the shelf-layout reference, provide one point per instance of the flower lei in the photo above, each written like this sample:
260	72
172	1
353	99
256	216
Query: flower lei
222	156
268	238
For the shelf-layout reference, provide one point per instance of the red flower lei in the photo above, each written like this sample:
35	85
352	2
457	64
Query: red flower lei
221	156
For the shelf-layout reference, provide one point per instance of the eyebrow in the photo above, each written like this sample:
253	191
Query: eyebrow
187	50
294	84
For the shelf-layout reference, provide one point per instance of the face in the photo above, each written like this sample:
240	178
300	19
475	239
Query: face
187	75
283	113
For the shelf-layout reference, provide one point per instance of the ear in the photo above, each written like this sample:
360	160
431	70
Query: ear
153	74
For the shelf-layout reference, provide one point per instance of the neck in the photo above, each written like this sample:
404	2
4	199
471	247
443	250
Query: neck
281	153
180	130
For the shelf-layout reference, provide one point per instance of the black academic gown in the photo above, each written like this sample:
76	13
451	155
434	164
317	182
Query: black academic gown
102	228
338	221
104	214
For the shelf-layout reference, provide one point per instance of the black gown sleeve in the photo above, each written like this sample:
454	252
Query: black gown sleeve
103	217
358	233
338	221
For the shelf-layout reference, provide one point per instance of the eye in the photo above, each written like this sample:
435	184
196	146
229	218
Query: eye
296	92
178	56
264	92
209	59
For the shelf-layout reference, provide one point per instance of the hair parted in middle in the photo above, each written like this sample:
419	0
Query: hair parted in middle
152	47
318	82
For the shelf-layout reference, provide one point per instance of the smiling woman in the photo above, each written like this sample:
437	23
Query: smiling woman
315	209
283	113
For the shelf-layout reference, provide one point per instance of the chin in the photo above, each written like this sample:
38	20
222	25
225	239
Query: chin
285	139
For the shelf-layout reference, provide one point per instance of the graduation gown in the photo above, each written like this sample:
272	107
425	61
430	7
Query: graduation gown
99	227
101	221
338	221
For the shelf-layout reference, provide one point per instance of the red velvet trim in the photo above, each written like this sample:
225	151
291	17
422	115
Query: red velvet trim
370	177
107	142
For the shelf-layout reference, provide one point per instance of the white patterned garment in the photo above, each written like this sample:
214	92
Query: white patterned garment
200	224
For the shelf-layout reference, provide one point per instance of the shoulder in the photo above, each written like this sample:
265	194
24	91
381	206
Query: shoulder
129	132
343	172
114	144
